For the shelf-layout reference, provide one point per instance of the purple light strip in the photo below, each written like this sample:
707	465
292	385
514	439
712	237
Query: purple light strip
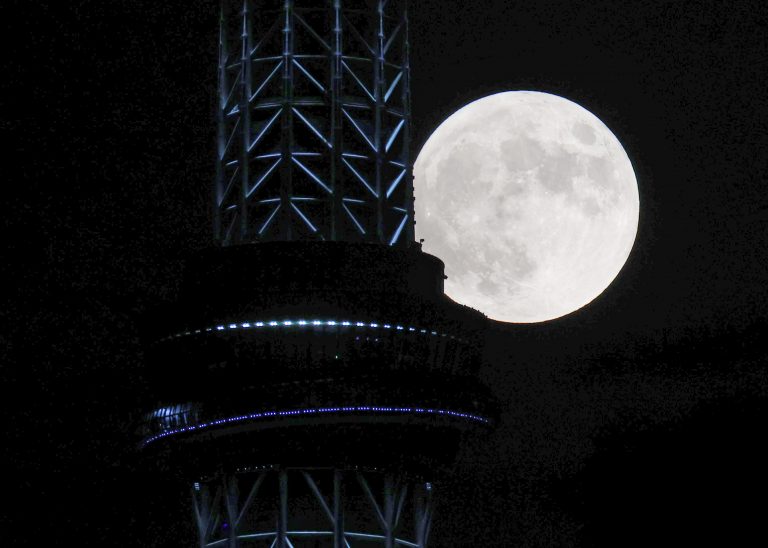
317	411
311	322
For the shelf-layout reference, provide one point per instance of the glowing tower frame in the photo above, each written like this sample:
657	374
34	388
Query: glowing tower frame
224	503
314	122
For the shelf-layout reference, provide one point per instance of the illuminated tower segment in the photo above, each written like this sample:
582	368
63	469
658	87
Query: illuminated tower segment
312	380
313	122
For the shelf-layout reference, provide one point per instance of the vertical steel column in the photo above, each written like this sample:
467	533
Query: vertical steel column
202	515
410	233
245	119
378	83
221	136
231	496
338	511
282	518
337	185
286	125
389	512
423	516
400	503
206	513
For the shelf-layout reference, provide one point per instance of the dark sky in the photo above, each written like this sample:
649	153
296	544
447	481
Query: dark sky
641	410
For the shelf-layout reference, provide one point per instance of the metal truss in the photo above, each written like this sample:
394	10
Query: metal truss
357	509
314	122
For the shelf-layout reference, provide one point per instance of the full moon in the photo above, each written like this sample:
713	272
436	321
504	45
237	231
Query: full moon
531	202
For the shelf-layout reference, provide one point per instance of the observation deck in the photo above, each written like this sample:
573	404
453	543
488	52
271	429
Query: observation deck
348	350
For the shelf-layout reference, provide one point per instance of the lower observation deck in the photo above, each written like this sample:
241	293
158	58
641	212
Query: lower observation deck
328	354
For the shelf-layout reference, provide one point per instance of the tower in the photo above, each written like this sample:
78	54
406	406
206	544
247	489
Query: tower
312	381
313	122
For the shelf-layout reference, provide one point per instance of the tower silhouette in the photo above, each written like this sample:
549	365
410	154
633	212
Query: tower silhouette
312	380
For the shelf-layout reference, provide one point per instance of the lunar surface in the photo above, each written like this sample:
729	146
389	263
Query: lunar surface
530	200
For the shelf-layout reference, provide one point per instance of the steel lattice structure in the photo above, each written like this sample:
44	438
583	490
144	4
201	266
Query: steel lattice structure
313	122
312	506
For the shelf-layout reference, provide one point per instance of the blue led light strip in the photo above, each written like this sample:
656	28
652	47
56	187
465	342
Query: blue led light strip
318	411
313	323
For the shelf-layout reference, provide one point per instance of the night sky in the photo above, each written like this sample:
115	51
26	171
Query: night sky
634	420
